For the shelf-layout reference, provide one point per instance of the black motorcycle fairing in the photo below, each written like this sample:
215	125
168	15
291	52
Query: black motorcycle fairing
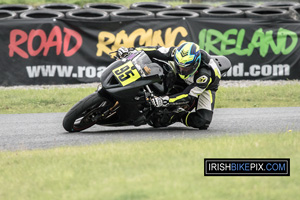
131	96
113	86
107	79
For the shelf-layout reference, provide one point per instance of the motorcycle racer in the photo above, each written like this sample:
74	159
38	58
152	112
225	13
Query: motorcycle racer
200	74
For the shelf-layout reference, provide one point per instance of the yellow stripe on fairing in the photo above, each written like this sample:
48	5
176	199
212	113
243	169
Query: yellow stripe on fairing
172	100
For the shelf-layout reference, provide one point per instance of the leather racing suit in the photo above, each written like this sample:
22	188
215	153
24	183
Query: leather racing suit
201	86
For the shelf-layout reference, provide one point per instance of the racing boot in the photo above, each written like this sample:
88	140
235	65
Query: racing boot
177	115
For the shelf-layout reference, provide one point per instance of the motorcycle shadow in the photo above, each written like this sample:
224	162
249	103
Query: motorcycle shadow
141	130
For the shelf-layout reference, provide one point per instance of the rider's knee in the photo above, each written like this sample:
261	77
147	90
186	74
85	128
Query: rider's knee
200	119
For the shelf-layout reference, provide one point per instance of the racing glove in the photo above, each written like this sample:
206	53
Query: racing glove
122	52
160	101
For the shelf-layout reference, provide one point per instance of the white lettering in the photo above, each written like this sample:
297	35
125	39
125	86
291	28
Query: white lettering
258	70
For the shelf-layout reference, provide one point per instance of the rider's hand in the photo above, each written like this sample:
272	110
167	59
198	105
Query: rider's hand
160	101
122	52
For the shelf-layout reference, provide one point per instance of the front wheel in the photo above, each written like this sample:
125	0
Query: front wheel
86	113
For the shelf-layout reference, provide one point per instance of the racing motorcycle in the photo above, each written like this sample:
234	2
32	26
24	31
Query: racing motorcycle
124	95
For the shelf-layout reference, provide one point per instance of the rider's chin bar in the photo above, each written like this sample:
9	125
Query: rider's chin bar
246	167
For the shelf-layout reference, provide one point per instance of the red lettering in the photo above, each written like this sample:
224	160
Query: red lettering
35	47
14	43
56	32
71	33
34	33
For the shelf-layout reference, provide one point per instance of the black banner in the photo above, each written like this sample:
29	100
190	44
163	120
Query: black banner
67	51
246	167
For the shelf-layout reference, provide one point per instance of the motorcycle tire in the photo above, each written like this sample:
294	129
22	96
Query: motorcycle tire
241	6
17	8
107	7
285	5
5	15
41	14
295	12
176	14
123	15
60	7
267	13
88	15
80	117
223	13
198	8
154	7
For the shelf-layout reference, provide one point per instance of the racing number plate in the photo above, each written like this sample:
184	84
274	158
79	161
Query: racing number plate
126	73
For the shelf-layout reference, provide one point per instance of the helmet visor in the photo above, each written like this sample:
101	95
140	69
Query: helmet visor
186	70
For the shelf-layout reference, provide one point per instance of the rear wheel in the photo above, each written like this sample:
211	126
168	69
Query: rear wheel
88	112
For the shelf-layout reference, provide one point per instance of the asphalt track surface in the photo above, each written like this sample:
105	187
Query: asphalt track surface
44	130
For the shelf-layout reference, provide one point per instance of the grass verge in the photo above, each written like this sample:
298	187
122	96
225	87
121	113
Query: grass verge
15	101
259	96
62	99
171	169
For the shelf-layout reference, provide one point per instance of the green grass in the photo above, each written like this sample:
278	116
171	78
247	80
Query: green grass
171	169
259	96
41	100
62	99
